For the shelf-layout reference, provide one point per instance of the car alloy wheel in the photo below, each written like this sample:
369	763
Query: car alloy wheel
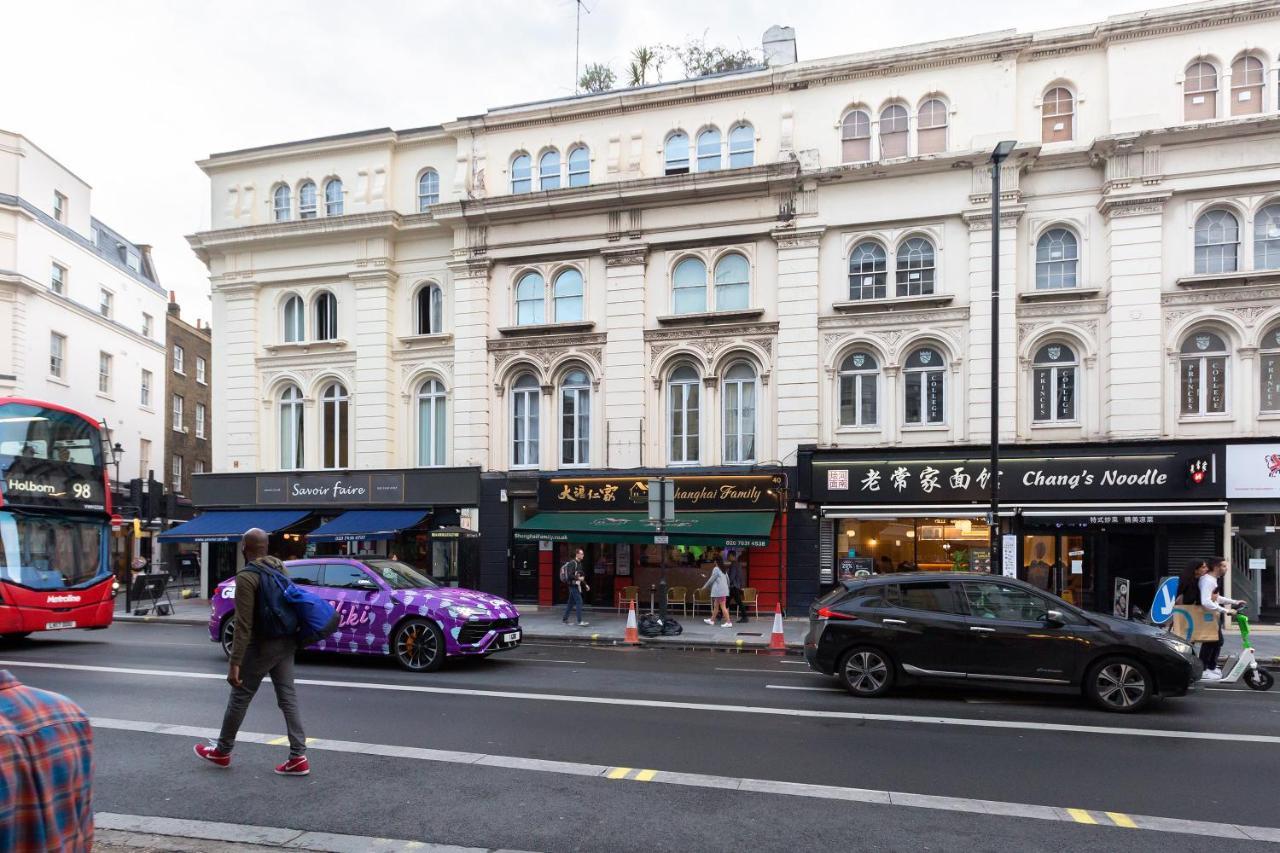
1120	685
419	646
866	672
227	635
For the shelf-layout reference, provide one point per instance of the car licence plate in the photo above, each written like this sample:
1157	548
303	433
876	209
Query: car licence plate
513	637
53	626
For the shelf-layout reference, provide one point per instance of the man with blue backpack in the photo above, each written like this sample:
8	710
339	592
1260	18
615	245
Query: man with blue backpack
273	619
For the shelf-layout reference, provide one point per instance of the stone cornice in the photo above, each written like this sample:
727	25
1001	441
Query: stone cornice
204	243
798	238
922	317
980	220
590	339
469	267
1221	296
16	281
625	256
1112	205
727	330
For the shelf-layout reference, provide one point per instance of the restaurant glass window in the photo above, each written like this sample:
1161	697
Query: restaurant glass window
1203	369
1270	370
916	544
1054	384
1055	563
688	567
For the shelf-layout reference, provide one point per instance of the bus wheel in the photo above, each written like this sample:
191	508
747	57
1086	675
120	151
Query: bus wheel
14	638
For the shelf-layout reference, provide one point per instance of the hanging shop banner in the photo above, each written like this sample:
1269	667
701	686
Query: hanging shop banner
1253	470
703	492
1130	473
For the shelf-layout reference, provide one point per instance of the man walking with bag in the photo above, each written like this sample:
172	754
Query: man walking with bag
264	643
571	573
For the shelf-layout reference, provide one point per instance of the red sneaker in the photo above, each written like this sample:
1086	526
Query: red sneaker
210	753
298	766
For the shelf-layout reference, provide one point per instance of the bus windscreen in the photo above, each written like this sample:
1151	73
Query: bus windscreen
50	551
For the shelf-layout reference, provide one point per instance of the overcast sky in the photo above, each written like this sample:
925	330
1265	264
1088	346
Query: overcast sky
130	93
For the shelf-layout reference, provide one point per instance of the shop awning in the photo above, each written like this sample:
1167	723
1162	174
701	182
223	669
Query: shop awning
230	525
728	529
365	525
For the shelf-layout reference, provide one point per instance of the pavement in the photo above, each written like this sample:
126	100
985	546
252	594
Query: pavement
570	747
606	626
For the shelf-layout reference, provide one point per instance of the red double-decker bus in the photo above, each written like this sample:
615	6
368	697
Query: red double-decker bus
55	516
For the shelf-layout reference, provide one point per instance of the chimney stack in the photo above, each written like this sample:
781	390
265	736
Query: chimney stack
779	46
174	308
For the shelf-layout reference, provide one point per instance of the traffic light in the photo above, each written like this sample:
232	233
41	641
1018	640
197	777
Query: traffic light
135	494
1197	472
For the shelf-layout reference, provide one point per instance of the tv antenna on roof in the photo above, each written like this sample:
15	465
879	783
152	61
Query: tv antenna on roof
579	7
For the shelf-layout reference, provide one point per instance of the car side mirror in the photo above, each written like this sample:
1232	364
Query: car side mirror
1054	618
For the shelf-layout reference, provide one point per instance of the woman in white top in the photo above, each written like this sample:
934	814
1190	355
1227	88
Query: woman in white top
1221	605
719	583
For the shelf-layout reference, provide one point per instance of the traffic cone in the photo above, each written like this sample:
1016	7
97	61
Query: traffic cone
776	640
632	635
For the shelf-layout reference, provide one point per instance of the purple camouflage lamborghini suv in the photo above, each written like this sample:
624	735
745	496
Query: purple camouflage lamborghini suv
386	607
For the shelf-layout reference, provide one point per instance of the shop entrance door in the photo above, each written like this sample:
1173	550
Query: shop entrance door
524	572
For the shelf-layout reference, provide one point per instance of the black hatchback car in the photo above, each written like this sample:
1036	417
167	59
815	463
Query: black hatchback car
956	628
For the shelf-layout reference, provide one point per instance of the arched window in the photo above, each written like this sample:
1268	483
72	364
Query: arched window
326	327
1057	115
280	204
1057	259
531	300
855	137
689	287
579	166
733	282
1266	238
294	320
924	386
738	391
683	427
431	424
709	150
1246	85
1200	92
429	189
549	170
333	197
859	390
868	271
291	444
307	200
1053	384
1269	362
931	127
915	267
334	426
429	310
567	296
1203	368
742	146
1217	242
893	131
575	419
525	401
522	173
676	153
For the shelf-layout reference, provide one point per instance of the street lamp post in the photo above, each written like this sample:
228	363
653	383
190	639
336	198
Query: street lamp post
116	452
998	156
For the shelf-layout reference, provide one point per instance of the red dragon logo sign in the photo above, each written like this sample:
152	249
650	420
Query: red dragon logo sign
1273	464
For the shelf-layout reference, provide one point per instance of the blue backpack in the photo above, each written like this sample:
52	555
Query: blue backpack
285	609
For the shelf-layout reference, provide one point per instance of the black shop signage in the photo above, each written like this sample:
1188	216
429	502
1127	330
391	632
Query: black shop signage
631	494
1098	474
340	489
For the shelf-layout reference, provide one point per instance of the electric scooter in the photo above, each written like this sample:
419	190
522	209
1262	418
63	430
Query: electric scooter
1246	666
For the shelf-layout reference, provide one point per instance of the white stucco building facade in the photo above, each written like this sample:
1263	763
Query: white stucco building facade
82	314
718	272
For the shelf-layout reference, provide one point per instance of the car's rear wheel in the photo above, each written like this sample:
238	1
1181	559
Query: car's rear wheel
419	645
1121	685
866	672
227	634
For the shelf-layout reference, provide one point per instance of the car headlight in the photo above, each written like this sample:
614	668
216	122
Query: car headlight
1175	644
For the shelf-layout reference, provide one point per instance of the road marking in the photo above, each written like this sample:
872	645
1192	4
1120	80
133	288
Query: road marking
731	783
798	687
769	671
284	739
547	660
1237	738
794	662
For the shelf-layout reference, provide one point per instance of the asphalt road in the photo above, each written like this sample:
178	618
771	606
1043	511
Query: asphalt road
561	747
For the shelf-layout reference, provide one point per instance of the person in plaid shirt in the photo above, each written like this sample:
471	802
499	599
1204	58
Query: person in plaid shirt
46	771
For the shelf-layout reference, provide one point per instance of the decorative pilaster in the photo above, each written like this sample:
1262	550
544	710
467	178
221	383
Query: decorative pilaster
239	422
375	391
798	366
472	384
976	418
624	355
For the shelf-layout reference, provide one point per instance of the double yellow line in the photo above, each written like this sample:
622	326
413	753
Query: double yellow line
1116	818
630	773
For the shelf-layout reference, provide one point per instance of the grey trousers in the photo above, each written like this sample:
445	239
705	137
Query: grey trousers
272	657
